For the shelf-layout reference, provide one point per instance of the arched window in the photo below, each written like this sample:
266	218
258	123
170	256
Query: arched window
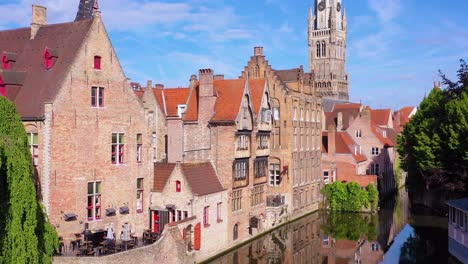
318	49
235	232
324	49
178	186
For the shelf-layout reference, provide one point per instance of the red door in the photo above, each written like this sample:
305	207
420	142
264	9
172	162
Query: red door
156	221
197	242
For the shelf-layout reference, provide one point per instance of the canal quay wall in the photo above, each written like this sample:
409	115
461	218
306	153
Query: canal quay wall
169	249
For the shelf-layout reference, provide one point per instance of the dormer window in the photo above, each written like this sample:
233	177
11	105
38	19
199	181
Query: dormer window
97	62
49	59
181	109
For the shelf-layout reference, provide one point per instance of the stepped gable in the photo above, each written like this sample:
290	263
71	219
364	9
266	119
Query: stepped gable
40	85
202	178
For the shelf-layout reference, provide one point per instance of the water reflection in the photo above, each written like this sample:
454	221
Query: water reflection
398	234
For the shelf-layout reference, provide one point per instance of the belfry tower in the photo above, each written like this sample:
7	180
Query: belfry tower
327	48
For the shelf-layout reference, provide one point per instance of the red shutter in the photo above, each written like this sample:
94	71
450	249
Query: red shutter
48	60
2	87
184	233
6	63
197	244
97	62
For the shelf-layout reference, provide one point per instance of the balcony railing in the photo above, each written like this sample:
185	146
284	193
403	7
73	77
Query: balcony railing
275	200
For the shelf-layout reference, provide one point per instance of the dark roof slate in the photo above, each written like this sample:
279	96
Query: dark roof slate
461	204
40	85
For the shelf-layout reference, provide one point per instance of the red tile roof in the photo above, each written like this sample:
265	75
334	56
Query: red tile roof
174	97
344	144
362	180
257	90
349	112
378	132
139	93
381	116
41	85
162	172
230	93
159	98
192	105
202	178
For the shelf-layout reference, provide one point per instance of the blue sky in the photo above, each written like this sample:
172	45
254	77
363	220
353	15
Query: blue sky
395	47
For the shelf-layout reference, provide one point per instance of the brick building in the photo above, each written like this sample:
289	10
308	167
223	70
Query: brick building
192	197
227	122
370	133
88	132
295	174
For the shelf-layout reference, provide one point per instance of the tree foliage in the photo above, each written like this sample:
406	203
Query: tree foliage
25	234
433	144
350	197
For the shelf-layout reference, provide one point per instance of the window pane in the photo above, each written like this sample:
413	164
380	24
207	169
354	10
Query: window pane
35	138
139	138
139	183
90	201
98	187
90	188
114	138
122	138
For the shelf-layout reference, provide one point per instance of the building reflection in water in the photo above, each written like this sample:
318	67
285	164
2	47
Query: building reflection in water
327	238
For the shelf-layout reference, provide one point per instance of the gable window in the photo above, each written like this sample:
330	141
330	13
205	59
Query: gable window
94	200
243	142
139	204
266	115
275	174
33	140
206	216
178	186
97	62
139	147
219	217
241	169
262	141
260	167
97	96
118	144
236	201
48	59
358	133
375	151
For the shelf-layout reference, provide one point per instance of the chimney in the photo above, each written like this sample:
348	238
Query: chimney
339	123
39	19
193	80
159	86
331	140
258	51
206	82
218	77
149	84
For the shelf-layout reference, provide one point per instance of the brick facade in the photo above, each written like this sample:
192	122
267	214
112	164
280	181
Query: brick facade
296	133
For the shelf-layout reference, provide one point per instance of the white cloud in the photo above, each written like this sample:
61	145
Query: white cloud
386	10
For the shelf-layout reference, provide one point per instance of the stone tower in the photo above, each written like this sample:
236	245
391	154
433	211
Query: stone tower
327	48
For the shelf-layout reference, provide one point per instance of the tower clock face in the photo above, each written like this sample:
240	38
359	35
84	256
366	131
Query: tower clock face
338	7
321	5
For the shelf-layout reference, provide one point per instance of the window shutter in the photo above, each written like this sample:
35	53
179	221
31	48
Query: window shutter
184	234
197	244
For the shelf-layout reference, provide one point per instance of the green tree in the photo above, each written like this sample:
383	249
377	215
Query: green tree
350	197
25	234
433	144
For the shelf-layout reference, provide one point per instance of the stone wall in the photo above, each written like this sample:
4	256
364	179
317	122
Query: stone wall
169	249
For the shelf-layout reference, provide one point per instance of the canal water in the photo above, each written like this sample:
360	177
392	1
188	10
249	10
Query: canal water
399	233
